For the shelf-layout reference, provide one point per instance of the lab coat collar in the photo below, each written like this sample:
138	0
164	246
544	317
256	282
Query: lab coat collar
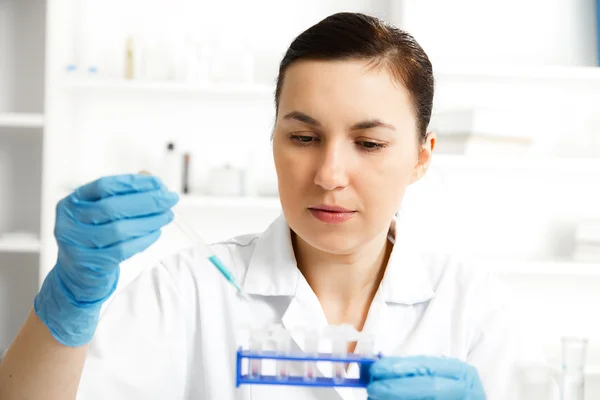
273	271
406	280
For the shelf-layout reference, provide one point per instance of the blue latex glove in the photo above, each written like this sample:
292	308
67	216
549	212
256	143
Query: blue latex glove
424	378
97	227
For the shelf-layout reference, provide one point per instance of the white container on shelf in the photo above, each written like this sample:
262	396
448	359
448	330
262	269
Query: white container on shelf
482	131
587	242
157	57
225	181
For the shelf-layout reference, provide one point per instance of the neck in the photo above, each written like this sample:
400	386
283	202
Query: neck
345	284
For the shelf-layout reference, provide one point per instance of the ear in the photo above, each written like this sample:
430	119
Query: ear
424	160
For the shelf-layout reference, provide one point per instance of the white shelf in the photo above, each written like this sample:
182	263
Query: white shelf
495	72
561	165
565	268
21	120
246	203
173	87
592	371
21	246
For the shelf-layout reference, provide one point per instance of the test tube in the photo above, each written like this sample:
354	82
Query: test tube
367	344
338	349
257	343
283	344
366	349
311	347
340	337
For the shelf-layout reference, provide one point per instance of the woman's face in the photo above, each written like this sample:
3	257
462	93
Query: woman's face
345	147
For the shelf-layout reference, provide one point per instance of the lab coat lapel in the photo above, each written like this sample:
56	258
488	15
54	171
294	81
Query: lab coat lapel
404	285
272	270
304	311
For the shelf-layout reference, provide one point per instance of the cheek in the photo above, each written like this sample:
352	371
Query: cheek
292	170
286	162
383	183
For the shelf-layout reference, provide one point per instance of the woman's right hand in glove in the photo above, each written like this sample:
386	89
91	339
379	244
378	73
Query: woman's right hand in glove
98	226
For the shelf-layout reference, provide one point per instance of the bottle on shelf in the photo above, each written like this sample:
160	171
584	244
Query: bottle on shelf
129	59
186	173
171	171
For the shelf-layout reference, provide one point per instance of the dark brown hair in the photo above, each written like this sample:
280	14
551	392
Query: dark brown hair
345	36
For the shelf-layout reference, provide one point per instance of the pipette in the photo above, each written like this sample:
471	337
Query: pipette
214	260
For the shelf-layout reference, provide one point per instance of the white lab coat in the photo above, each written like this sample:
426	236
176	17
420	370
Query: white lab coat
170	330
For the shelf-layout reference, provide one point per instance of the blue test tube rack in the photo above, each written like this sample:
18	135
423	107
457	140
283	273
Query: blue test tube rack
363	362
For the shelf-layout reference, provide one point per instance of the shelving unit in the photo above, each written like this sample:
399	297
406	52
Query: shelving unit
527	163
549	268
95	84
22	129
21	120
30	246
573	74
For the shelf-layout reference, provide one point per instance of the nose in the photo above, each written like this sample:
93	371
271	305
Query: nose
332	171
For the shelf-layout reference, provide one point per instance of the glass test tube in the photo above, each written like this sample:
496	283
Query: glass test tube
573	361
366	349
367	345
311	347
283	346
339	348
257	344
341	336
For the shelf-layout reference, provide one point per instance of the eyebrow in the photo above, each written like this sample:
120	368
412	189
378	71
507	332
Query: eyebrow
371	123
362	125
304	118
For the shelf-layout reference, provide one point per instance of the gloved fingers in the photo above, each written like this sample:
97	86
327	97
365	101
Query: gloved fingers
418	388
122	251
111	233
116	185
396	367
122	206
96	262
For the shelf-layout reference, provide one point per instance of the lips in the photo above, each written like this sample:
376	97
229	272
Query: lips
330	214
331	208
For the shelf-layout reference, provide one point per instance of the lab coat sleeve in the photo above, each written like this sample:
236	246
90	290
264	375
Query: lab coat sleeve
501	346
138	351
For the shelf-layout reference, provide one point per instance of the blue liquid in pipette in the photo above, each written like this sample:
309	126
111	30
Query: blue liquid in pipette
225	272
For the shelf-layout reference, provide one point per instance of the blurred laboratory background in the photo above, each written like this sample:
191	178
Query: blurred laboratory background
184	89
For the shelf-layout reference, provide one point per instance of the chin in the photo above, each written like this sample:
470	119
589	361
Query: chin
331	242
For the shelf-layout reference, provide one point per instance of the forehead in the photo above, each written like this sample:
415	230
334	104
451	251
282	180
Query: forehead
348	90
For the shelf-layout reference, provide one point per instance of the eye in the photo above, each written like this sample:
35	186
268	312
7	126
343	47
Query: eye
370	146
303	139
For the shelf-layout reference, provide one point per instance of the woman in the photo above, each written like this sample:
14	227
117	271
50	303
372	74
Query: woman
353	100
